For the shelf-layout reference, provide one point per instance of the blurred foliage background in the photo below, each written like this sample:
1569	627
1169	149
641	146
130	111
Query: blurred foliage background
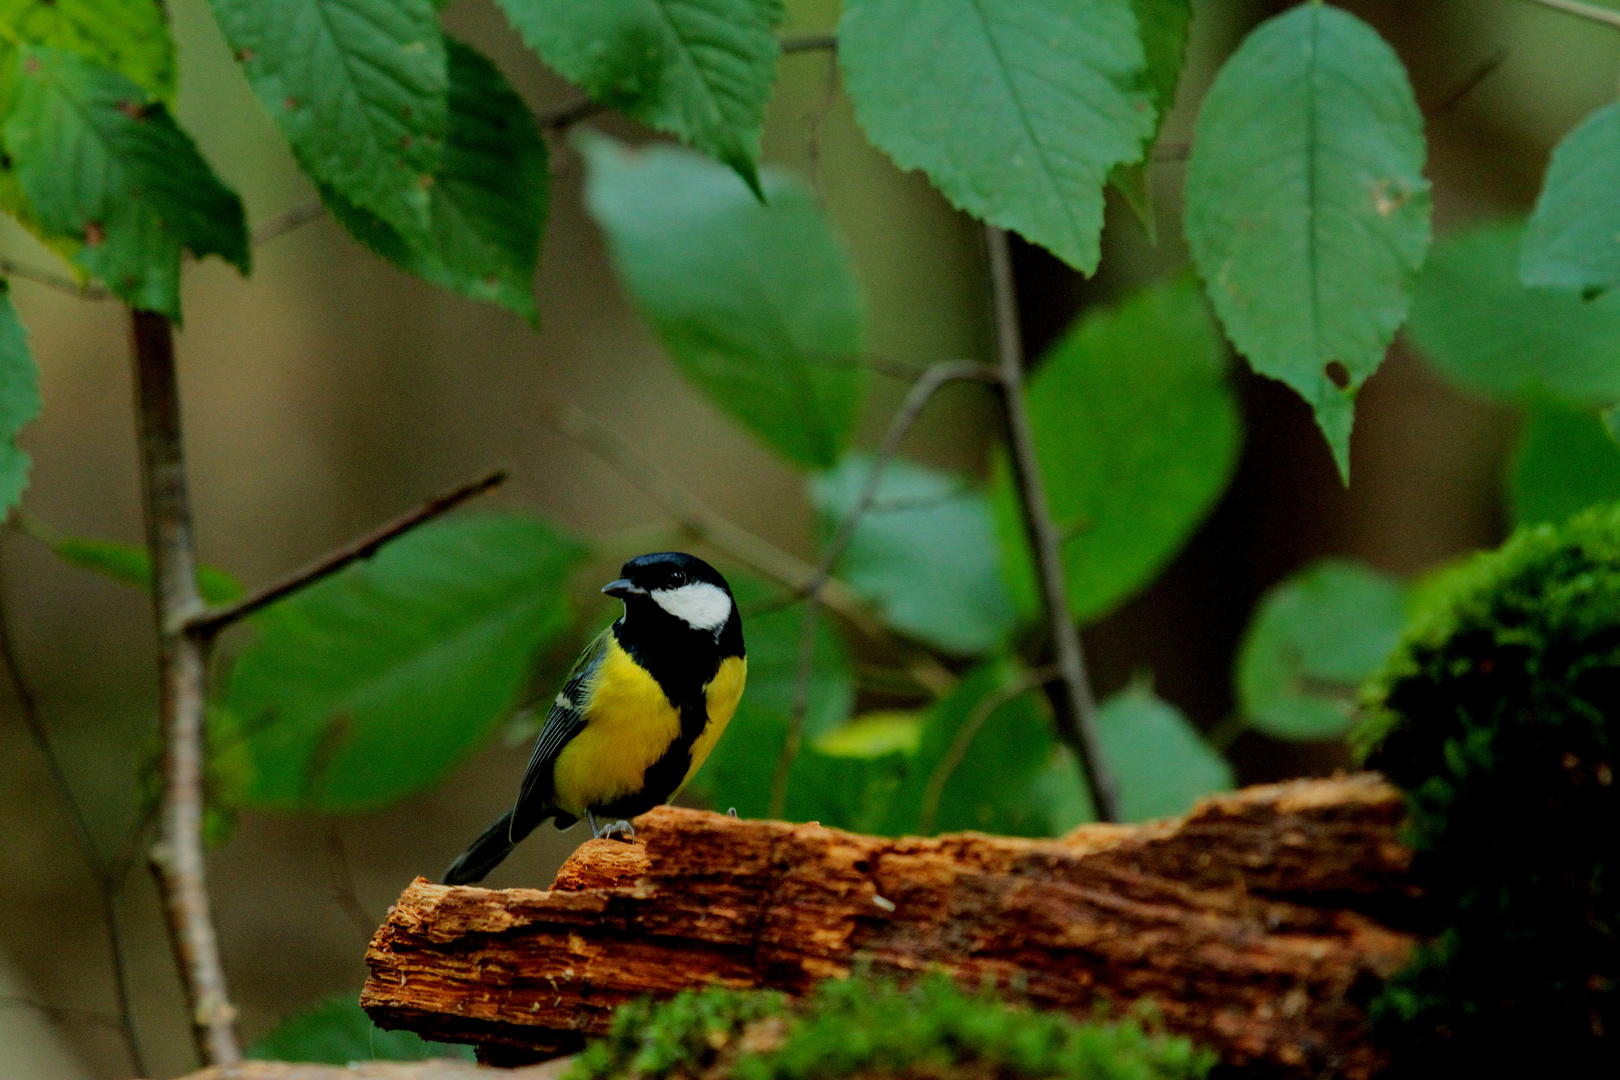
331	391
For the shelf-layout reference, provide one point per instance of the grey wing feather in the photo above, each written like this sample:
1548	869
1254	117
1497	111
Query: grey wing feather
565	720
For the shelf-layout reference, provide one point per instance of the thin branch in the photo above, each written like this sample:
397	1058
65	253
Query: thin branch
106	880
1074	707
177	859
343	891
288	220
210	623
63	1013
757	554
59	282
566	116
1606	16
916	400
809	43
1482	71
928	806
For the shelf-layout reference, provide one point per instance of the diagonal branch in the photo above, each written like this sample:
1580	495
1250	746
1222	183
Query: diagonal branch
59	282
726	535
1581	10
1074	706
107	878
208	624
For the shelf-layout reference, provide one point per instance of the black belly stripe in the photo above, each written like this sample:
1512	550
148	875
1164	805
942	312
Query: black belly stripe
664	775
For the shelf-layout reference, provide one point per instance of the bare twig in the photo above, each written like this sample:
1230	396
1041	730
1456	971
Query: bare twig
917	399
928	806
1482	71
1074	707
758	554
288	220
106	879
177	859
809	43
1606	16
566	116
63	1013
59	282
343	891
208	624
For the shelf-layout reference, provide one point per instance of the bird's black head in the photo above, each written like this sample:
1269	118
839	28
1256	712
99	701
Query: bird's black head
680	585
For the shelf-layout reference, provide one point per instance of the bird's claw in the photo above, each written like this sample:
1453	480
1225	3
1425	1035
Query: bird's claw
613	828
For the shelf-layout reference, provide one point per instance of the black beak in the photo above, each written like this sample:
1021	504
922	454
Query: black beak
623	588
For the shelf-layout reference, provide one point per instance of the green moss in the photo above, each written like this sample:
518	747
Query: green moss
1499	715
870	1025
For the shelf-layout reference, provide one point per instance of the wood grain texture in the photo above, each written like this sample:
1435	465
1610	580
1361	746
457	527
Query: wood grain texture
375	1070
1259	924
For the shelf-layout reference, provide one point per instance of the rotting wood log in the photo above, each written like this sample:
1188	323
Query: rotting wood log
1260	924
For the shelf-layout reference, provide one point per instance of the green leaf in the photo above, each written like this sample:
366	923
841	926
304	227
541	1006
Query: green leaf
1565	461
1137	433
1313	640
125	563
359	89
1017	111
924	553
338	1032
1306	207
773	633
19	401
1573	239
874	735
699	69
1162	26
375	683
983	751
488	199
1160	762
1476	323
129	36
756	303
104	164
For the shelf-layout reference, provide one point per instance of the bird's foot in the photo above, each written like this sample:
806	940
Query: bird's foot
613	828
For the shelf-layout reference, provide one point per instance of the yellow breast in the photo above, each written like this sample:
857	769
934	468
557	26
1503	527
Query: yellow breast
629	724
722	693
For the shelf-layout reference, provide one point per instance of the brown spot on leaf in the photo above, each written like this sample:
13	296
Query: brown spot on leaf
135	110
94	234
31	66
424	181
1337	374
290	103
244	56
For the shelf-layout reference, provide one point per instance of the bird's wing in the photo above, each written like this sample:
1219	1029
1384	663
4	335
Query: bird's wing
565	720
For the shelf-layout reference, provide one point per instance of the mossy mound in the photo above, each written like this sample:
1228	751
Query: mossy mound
1499	715
872	1027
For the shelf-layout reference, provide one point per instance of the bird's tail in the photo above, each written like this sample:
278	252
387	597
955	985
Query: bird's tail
486	852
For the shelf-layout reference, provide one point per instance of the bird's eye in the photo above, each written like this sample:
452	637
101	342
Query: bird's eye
677	579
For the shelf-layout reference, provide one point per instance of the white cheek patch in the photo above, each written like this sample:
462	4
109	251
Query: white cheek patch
700	605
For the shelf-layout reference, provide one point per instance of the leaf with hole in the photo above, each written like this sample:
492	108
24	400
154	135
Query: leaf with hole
1306	207
1312	642
700	70
756	303
1565	461
1017	111
129	36
104	164
337	1031
19	401
487	203
359	90
1573	238
375	683
1481	328
1137	433
925	552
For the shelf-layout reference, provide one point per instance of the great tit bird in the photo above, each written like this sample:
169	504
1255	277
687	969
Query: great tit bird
643	706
